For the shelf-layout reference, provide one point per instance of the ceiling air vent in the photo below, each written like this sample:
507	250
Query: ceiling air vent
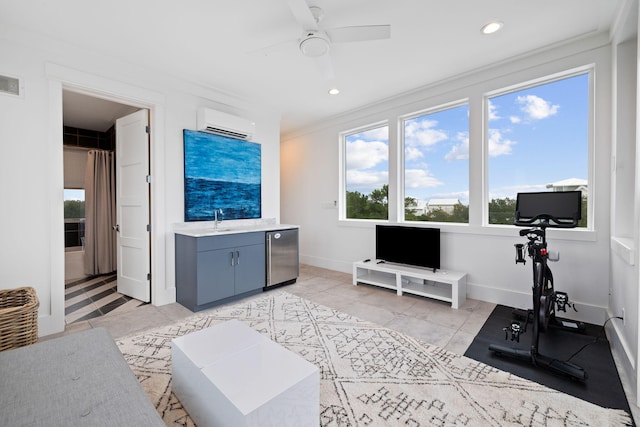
9	85
224	124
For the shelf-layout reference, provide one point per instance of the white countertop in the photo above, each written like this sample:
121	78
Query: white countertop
224	229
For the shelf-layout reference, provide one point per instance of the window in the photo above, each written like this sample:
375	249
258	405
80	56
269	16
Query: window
436	166
538	140
73	218
366	177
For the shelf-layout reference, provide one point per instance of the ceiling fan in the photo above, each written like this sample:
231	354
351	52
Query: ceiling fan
315	41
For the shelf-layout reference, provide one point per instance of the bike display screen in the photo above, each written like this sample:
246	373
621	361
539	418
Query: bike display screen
562	207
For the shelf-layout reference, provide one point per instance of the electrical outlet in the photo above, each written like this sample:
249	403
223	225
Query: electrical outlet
623	317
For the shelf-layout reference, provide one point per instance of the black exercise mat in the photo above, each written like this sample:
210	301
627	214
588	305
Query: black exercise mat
602	386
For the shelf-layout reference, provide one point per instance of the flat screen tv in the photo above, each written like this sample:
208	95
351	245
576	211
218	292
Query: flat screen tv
417	246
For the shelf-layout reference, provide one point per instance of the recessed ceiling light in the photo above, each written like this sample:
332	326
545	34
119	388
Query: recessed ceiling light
334	91
491	27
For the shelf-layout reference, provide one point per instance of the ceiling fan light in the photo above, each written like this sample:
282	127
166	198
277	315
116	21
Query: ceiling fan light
491	27
314	46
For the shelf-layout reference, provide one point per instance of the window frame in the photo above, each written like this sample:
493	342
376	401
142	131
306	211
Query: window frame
475	91
342	180
401	120
588	70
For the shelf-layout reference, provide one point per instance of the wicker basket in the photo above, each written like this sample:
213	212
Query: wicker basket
18	317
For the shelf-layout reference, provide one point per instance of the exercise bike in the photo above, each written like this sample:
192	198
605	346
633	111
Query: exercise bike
539	211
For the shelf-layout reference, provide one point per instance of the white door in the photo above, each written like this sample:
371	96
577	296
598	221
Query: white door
132	206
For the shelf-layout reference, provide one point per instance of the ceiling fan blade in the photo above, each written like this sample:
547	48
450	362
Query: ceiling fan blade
325	66
359	33
303	15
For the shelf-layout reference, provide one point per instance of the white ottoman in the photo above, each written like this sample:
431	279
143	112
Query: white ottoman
231	375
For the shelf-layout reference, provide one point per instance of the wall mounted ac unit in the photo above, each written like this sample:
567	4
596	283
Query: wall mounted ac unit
224	124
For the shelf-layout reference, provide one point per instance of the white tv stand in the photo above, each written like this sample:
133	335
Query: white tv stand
443	285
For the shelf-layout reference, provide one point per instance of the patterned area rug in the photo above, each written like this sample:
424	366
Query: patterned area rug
370	375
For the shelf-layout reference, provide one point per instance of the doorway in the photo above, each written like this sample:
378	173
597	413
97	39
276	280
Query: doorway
89	129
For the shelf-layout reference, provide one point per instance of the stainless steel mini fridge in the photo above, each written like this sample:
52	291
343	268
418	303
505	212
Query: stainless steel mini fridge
282	257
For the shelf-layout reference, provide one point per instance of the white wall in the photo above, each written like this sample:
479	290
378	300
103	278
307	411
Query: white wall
625	222
31	159
310	163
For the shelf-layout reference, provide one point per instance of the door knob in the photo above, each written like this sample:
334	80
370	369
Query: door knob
117	227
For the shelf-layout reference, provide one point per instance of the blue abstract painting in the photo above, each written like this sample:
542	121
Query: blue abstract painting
221	173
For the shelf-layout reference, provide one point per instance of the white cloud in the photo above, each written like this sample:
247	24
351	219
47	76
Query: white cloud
420	178
364	155
499	146
412	153
422	133
515	119
493	112
366	181
537	108
358	177
459	151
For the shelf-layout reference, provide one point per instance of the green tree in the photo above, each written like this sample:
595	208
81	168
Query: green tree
437	215
371	206
356	204
502	211
74	208
380	196
460	213
379	207
583	220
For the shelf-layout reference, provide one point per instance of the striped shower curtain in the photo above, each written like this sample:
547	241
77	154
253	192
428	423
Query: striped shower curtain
100	213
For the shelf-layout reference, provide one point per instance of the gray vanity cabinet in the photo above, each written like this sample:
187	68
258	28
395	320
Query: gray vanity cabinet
213	269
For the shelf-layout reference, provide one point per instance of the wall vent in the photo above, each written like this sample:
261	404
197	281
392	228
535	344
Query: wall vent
10	85
224	124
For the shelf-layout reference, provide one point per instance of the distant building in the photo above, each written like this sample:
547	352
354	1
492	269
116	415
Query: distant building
419	209
571	184
446	205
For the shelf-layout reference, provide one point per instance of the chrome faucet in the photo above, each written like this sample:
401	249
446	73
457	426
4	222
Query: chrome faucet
217	221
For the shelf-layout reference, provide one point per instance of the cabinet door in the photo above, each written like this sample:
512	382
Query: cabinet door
215	275
250	268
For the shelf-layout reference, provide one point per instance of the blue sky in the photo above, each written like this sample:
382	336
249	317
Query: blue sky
540	136
73	194
536	136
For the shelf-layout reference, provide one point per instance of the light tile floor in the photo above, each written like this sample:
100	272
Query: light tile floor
433	321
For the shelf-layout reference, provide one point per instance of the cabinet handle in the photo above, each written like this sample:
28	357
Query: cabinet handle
237	257
231	258
269	259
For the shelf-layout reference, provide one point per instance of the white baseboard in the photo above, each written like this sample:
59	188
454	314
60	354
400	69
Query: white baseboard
330	264
619	342
625	361
586	312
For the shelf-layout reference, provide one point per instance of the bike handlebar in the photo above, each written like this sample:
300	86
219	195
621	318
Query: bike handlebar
545	220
